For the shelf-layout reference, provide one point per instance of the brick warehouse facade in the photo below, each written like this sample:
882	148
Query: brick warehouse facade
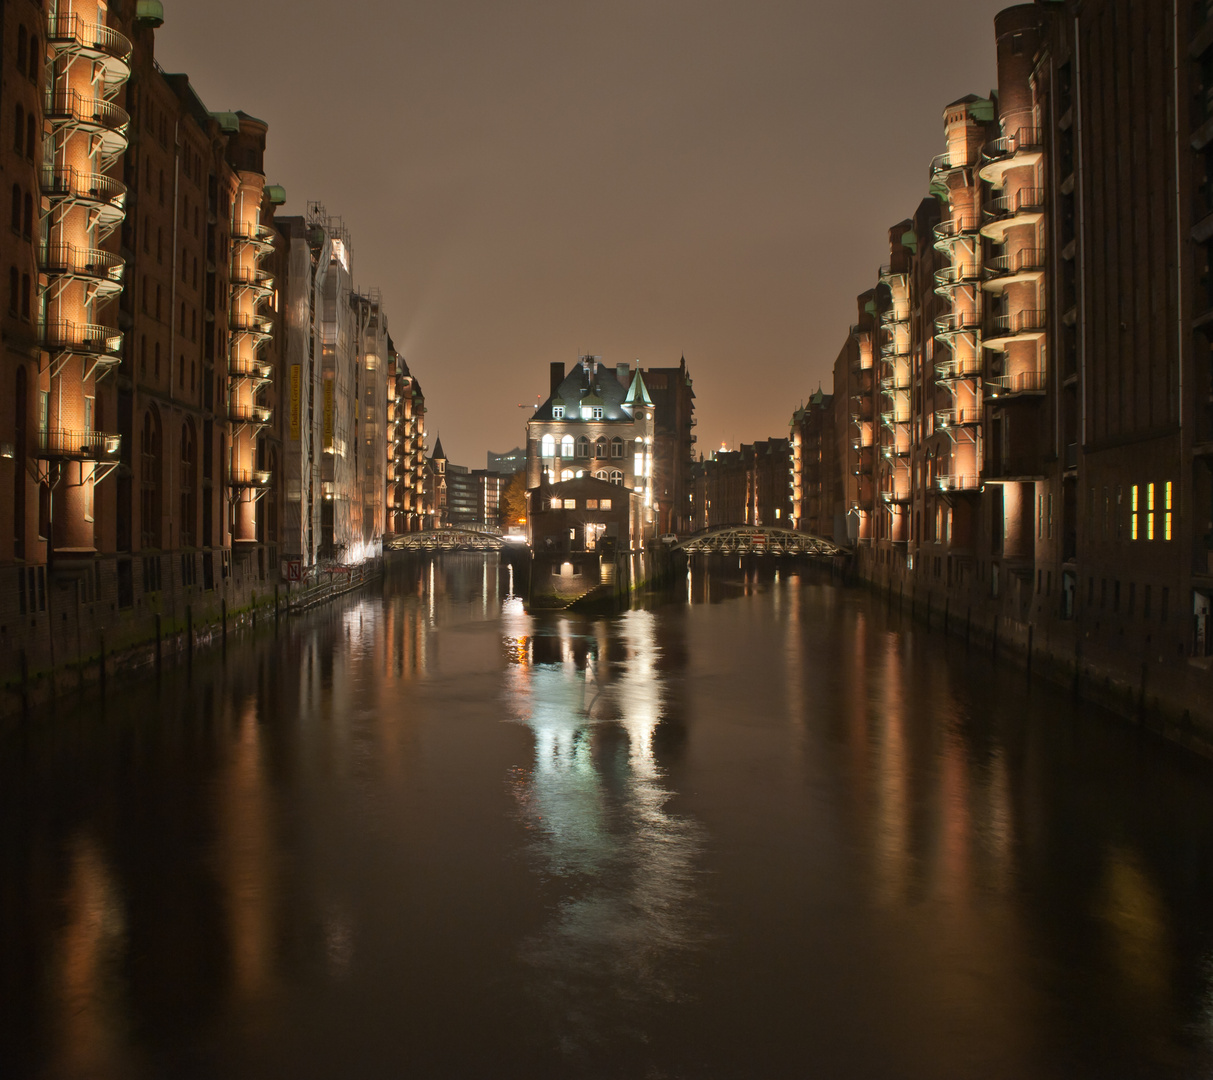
1042	464
145	345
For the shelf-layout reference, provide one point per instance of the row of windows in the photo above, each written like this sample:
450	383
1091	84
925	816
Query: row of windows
593	412
581	447
590	504
614	476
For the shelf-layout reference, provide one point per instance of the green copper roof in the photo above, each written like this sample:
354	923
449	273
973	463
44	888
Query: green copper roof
638	392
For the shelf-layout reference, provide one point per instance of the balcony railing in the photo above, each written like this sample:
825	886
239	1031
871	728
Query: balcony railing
1023	201
69	32
101	192
887	274
261	280
958	482
1024	382
947	232
246	232
895	382
1025	139
65	260
946	418
957	322
250	370
59	444
1027	321
249	414
249	478
944	163
84	338
72	107
951	370
1026	260
898	313
251	324
951	277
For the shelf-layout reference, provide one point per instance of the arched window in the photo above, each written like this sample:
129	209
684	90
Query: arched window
26	290
31	134
16	208
566	446
617	447
151	456
143	354
156	360
29	216
19	473
616	476
583	447
21	49
19	127
35	61
14	291
600	448
602	474
547	446
566	474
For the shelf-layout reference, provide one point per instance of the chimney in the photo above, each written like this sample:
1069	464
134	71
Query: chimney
623	375
557	374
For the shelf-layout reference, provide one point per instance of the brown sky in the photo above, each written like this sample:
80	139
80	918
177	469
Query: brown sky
635	178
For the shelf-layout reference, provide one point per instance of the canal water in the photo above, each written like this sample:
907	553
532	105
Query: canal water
760	828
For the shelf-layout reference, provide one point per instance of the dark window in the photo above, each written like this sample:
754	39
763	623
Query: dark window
19	473
16	208
14	291
18	127
28	231
26	290
22	39
31	136
35	61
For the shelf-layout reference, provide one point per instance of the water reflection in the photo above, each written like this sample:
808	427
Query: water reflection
621	864
765	822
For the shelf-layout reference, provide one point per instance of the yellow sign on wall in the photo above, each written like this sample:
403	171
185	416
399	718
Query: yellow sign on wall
296	401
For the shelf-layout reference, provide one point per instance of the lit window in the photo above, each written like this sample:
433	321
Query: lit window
604	504
638	468
548	446
616	476
591	504
557	412
566	474
616	447
1149	511
570	504
557	504
1133	512
597	414
566	446
1166	528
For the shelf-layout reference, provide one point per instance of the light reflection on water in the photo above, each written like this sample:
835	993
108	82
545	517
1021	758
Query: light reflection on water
764	829
597	809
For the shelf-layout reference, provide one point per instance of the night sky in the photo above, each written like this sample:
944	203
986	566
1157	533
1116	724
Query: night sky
640	179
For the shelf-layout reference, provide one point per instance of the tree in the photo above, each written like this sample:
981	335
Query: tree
513	501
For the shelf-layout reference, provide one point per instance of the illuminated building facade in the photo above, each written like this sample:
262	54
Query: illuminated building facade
406	447
1042	472
816	476
598	421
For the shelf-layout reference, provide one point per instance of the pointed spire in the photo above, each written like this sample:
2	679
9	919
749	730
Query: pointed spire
638	393
438	450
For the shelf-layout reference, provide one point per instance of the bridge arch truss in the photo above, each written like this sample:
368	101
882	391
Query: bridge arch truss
758	540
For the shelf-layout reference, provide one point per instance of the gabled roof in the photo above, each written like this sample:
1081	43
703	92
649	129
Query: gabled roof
579	387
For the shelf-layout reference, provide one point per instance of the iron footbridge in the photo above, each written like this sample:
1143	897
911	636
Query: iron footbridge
757	540
455	538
